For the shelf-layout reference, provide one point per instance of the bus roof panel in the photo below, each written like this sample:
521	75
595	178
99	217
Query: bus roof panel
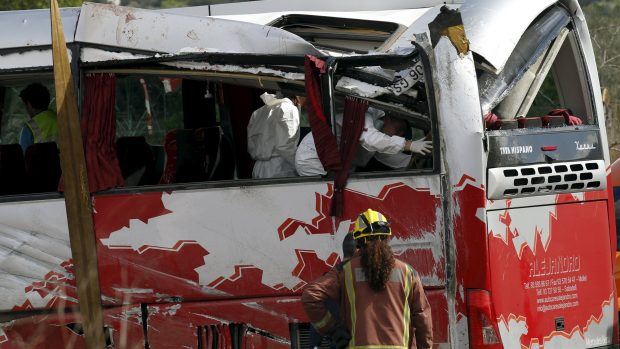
155	31
322	6
403	16
32	28
494	27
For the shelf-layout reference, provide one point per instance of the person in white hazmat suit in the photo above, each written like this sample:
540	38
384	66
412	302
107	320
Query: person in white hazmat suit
273	134
388	146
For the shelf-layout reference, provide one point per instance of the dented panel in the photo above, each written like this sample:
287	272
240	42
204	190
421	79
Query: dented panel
32	28
155	31
276	248
122	329
494	27
29	59
205	262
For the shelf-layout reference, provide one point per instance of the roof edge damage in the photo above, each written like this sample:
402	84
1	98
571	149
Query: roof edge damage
149	30
492	28
31	28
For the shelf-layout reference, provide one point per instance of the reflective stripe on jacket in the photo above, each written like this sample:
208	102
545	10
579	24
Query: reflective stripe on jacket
397	317
44	127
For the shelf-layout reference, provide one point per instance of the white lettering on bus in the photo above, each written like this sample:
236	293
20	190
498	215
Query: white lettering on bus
554	265
516	149
584	146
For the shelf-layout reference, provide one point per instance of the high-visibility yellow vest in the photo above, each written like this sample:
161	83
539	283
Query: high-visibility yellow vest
44	127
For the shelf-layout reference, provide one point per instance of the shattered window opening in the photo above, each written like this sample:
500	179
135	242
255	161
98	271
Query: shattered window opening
534	42
541	86
342	35
394	92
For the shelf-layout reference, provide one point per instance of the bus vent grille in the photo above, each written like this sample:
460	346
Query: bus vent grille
544	179
301	337
236	336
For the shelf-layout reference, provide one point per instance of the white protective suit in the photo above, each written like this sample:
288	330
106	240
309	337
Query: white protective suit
273	134
372	141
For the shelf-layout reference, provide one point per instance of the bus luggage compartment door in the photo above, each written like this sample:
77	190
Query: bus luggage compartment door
551	275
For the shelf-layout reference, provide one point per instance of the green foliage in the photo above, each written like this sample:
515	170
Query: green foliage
603	19
546	99
131	115
32	4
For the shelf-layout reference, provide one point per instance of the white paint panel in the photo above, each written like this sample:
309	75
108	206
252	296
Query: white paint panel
321	5
168	33
260	209
28	59
34	241
33	27
460	118
402	16
494	27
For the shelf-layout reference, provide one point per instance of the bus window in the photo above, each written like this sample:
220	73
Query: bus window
542	75
398	114
146	108
28	164
391	127
172	129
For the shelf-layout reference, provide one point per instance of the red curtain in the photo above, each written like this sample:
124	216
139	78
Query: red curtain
98	124
352	127
324	140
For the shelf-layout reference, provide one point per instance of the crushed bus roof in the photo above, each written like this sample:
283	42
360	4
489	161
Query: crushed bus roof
123	33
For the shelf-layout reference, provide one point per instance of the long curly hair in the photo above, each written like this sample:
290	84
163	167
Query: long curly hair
377	261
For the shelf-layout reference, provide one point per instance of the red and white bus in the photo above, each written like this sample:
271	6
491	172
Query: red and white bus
509	221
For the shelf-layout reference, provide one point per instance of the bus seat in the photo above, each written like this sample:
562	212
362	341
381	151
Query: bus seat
42	163
136	160
197	155
219	153
531	122
160	160
553	121
12	169
183	158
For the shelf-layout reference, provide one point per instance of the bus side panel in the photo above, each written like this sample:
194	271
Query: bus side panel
469	249
551	275
35	256
253	241
123	329
193	325
176	325
210	245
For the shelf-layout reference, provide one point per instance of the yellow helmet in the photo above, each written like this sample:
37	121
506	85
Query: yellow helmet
371	223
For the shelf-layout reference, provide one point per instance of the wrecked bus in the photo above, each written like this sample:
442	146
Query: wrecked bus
509	221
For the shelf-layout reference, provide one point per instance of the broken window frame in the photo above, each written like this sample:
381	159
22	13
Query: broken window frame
533	43
325	32
352	67
164	66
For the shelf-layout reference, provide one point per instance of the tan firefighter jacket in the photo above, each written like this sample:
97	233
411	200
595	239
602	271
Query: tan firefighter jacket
397	317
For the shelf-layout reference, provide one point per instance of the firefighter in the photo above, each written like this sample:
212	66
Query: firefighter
381	298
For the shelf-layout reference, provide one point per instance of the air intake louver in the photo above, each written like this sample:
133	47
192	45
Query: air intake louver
508	182
300	337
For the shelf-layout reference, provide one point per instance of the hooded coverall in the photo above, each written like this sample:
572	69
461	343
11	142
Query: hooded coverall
387	149
273	134
398	316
